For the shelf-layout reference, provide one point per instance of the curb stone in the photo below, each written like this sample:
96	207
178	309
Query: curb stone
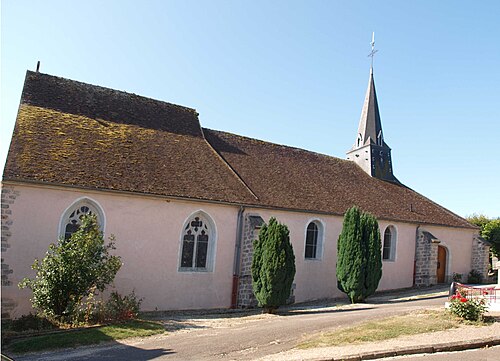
413	350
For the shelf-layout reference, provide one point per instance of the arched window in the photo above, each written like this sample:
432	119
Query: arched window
389	249
314	235
198	243
72	217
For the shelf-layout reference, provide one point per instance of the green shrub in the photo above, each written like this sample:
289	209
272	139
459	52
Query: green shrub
359	256
468	309
71	271
119	307
474	277
273	266
457	277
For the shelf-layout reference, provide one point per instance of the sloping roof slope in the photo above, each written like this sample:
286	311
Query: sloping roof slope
75	134
294	178
106	139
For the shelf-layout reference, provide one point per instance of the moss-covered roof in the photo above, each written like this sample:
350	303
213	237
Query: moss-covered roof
75	134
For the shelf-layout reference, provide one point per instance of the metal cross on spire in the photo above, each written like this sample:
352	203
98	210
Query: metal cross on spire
372	53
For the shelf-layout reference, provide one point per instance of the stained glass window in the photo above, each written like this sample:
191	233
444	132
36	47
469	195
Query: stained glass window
195	244
74	219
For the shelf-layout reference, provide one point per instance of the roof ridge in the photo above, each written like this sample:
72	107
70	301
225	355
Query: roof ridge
280	145
29	72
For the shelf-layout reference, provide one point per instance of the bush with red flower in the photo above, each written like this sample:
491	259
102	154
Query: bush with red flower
468	309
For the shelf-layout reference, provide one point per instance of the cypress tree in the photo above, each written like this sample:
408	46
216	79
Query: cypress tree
273	266
373	261
359	259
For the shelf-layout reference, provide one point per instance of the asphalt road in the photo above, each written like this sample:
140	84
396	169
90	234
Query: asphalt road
243	341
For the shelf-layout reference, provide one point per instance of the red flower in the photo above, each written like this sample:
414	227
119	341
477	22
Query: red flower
463	299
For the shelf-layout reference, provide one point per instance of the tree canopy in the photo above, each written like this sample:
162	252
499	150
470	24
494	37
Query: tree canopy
490	230
71	270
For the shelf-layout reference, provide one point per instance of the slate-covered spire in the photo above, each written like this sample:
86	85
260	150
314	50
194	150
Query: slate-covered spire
370	128
370	151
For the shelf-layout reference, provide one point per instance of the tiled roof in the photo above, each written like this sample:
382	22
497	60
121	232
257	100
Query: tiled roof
132	144
293	178
75	134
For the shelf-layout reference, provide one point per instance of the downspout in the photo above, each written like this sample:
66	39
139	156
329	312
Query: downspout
237	256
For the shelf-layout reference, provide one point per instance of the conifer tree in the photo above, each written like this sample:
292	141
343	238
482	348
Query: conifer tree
373	258
359	259
273	266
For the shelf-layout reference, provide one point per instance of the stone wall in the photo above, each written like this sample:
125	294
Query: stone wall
426	254
480	256
8	197
251	228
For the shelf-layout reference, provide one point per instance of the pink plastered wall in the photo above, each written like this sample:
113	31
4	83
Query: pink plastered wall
148	238
148	233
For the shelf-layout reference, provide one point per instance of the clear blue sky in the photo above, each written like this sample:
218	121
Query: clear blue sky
291	72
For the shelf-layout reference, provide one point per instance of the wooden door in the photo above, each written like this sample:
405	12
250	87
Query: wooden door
441	265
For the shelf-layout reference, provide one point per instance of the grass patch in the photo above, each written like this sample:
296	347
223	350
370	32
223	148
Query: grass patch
387	328
90	336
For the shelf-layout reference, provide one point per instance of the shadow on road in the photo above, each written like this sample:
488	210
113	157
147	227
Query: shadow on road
130	353
311	311
113	351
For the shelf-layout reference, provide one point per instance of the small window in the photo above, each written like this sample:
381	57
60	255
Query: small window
197	244
314	234
389	248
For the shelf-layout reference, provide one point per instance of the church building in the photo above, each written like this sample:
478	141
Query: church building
185	202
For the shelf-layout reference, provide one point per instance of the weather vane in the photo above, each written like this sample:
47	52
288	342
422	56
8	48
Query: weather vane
372	53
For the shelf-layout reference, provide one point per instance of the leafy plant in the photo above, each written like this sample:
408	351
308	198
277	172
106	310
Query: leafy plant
71	271
359	259
468	309
273	266
491	233
474	277
457	277
119	307
490	230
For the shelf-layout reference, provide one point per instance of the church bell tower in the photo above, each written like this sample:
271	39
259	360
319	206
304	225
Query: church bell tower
370	151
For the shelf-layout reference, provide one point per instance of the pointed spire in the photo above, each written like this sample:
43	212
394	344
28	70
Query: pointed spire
370	127
370	151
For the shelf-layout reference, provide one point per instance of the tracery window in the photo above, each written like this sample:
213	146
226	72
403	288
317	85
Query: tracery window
72	218
197	244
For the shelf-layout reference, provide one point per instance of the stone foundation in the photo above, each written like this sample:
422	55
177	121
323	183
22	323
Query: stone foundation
8	197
